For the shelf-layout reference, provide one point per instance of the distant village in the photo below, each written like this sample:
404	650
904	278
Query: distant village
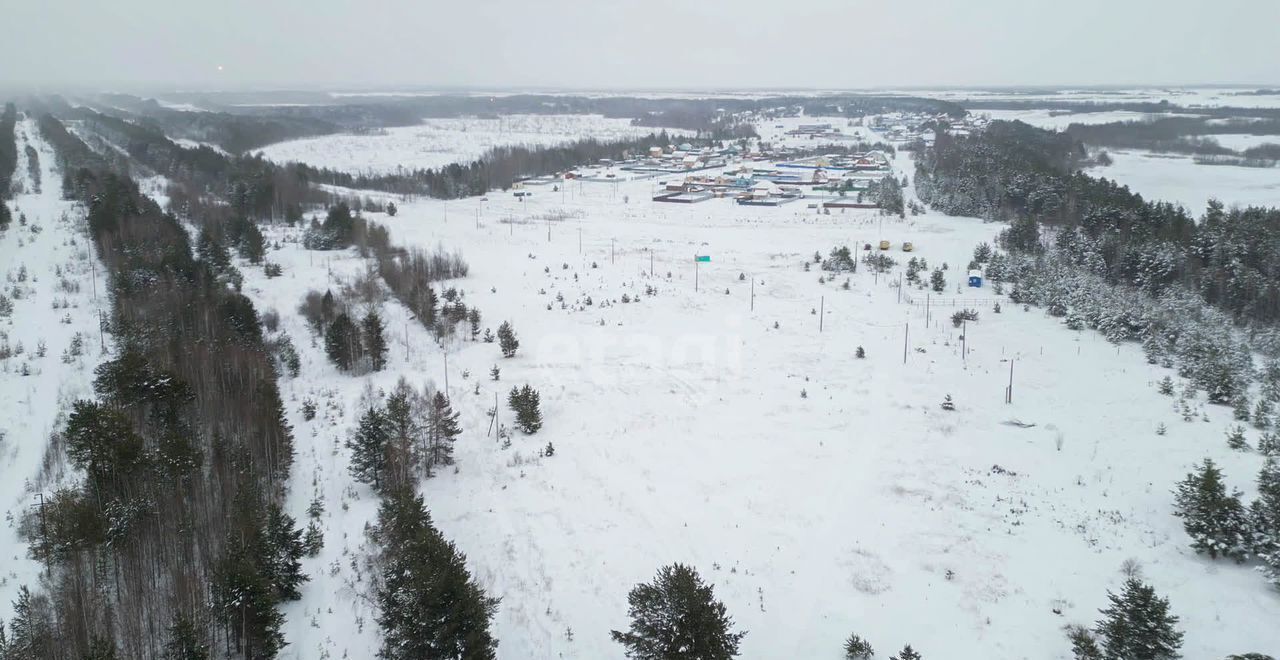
779	171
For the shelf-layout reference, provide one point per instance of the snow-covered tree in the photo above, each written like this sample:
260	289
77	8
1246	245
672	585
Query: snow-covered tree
1138	626
677	617
1214	519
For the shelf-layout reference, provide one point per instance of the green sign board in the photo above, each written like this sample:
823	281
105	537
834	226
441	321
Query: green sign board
706	258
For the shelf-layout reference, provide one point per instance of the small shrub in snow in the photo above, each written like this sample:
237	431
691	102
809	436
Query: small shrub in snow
948	404
549	450
860	353
1236	440
495	372
964	315
308	409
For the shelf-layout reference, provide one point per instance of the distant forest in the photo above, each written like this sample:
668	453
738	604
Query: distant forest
242	128
1099	255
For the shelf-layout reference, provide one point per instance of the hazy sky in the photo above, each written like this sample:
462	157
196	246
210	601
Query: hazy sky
634	43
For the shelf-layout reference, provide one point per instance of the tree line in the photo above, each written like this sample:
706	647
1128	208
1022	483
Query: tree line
175	542
8	148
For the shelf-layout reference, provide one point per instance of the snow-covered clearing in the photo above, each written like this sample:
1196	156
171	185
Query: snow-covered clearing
1239	142
1058	120
681	434
1180	179
438	142
51	267
774	131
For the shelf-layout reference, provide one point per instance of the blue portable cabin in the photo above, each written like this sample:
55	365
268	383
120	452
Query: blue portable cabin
975	279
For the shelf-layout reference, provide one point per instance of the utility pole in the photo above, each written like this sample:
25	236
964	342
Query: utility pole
446	373
611	244
906	331
753	293
964	346
695	273
1008	391
822	310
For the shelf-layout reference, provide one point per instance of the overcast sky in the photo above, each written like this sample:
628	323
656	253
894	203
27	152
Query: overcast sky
666	44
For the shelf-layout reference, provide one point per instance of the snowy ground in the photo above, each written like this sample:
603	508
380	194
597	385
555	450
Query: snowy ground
1240	142
774	131
438	142
1178	178
54	250
1192	97
681	435
1058	120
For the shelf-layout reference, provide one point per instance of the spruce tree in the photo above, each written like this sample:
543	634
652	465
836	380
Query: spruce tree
31	632
857	648
429	607
283	550
526	402
442	431
342	342
677	617
937	281
368	447
375	344
1083	644
507	340
907	653
186	642
405	433
1138	626
473	317
1214	520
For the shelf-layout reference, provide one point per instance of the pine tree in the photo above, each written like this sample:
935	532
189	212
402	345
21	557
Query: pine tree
937	281
907	653
252	245
249	579
1264	517
31	628
948	404
283	549
526	402
1240	408
1236	440
1083	644
473	317
1166	386
342	342
495	373
1214	520
678	618
405	434
429	607
185	640
857	648
507	340
368	447
1138	626
391	209
1262	414
442	431
375	344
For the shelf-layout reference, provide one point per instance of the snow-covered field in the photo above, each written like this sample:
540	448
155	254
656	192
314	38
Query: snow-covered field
821	494
53	266
1205	97
438	142
1240	142
774	131
1057	120
682	434
1180	179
